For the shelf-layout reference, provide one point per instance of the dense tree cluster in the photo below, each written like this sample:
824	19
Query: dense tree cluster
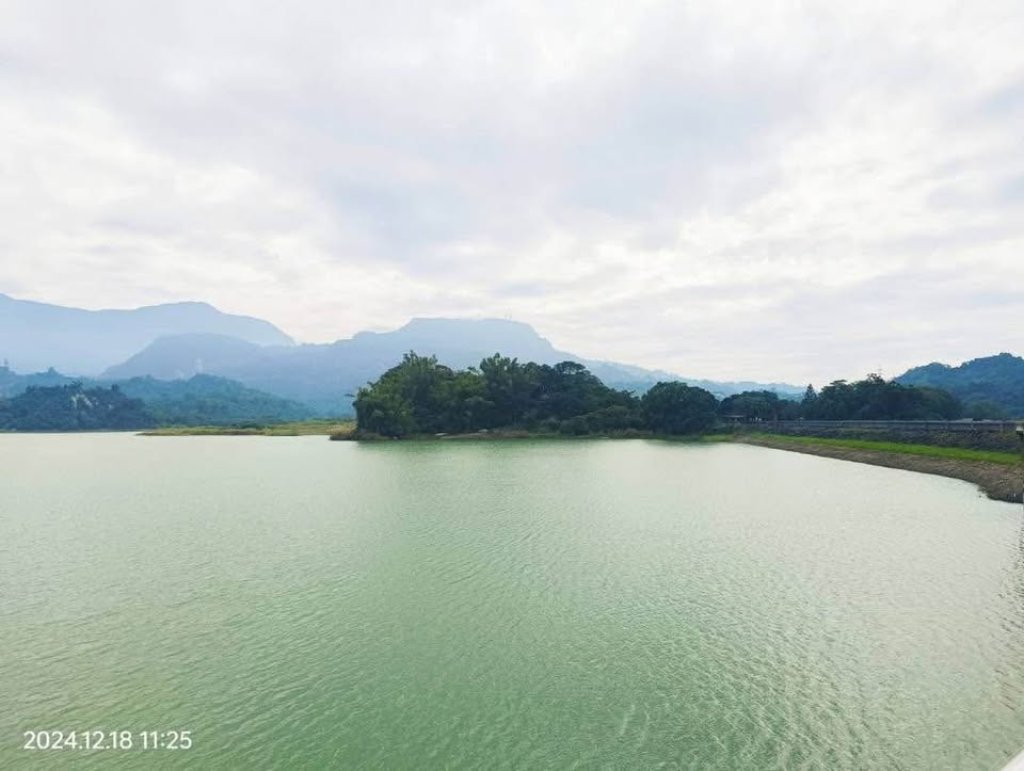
421	396
877	399
870	399
759	406
73	408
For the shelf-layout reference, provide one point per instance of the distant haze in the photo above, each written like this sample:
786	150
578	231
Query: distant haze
326	376
37	336
731	190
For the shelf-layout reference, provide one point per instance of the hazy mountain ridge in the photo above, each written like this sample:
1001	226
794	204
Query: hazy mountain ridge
36	336
326	376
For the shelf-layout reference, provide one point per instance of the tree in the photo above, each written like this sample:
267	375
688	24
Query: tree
676	408
874	398
753	405
410	398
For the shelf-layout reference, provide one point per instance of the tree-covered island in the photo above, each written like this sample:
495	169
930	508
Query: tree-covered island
421	397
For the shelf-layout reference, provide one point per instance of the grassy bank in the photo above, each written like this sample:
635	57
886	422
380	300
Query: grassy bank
1000	475
924	450
331	428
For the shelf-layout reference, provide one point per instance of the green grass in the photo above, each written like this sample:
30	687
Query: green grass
927	450
298	428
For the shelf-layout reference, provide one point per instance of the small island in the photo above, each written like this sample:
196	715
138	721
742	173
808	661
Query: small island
506	399
423	398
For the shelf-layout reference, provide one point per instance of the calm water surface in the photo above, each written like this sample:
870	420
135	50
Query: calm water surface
314	604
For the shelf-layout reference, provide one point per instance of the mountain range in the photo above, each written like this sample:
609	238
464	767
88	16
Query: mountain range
178	341
992	386
326	376
35	336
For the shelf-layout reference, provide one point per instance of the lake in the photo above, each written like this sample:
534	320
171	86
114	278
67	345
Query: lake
294	602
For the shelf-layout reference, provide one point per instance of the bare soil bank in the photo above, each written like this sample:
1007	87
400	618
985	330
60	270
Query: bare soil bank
998	481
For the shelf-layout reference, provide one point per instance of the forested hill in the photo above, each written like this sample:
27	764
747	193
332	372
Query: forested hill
990	387
209	400
200	400
73	408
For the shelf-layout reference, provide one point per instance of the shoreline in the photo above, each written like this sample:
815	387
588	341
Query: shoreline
495	435
998	481
293	428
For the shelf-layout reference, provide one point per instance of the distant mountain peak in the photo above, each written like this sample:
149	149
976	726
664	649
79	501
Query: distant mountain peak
35	335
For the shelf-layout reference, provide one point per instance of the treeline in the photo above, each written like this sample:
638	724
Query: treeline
873	398
877	399
421	396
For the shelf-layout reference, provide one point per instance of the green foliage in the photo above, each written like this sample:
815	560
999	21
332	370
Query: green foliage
201	400
317	427
73	408
676	408
903	448
209	400
876	399
759	405
994	385
986	410
420	396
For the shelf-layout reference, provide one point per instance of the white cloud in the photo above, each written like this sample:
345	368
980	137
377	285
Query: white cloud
780	191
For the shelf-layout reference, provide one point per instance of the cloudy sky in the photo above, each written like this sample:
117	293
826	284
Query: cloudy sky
793	191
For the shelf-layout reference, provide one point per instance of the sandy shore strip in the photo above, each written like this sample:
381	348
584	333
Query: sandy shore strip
1000	482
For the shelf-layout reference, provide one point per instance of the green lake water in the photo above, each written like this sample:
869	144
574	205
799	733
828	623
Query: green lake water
299	603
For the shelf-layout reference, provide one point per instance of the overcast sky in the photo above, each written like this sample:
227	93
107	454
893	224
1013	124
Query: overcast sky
794	191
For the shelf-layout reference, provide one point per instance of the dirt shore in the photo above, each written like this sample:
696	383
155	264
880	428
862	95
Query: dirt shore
998	481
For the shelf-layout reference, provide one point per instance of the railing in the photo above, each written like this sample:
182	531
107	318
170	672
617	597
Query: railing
890	425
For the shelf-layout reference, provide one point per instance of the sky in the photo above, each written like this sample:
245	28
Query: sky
736	190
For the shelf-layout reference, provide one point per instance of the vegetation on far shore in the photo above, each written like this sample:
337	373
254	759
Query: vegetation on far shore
502	398
421	397
51	402
334	428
